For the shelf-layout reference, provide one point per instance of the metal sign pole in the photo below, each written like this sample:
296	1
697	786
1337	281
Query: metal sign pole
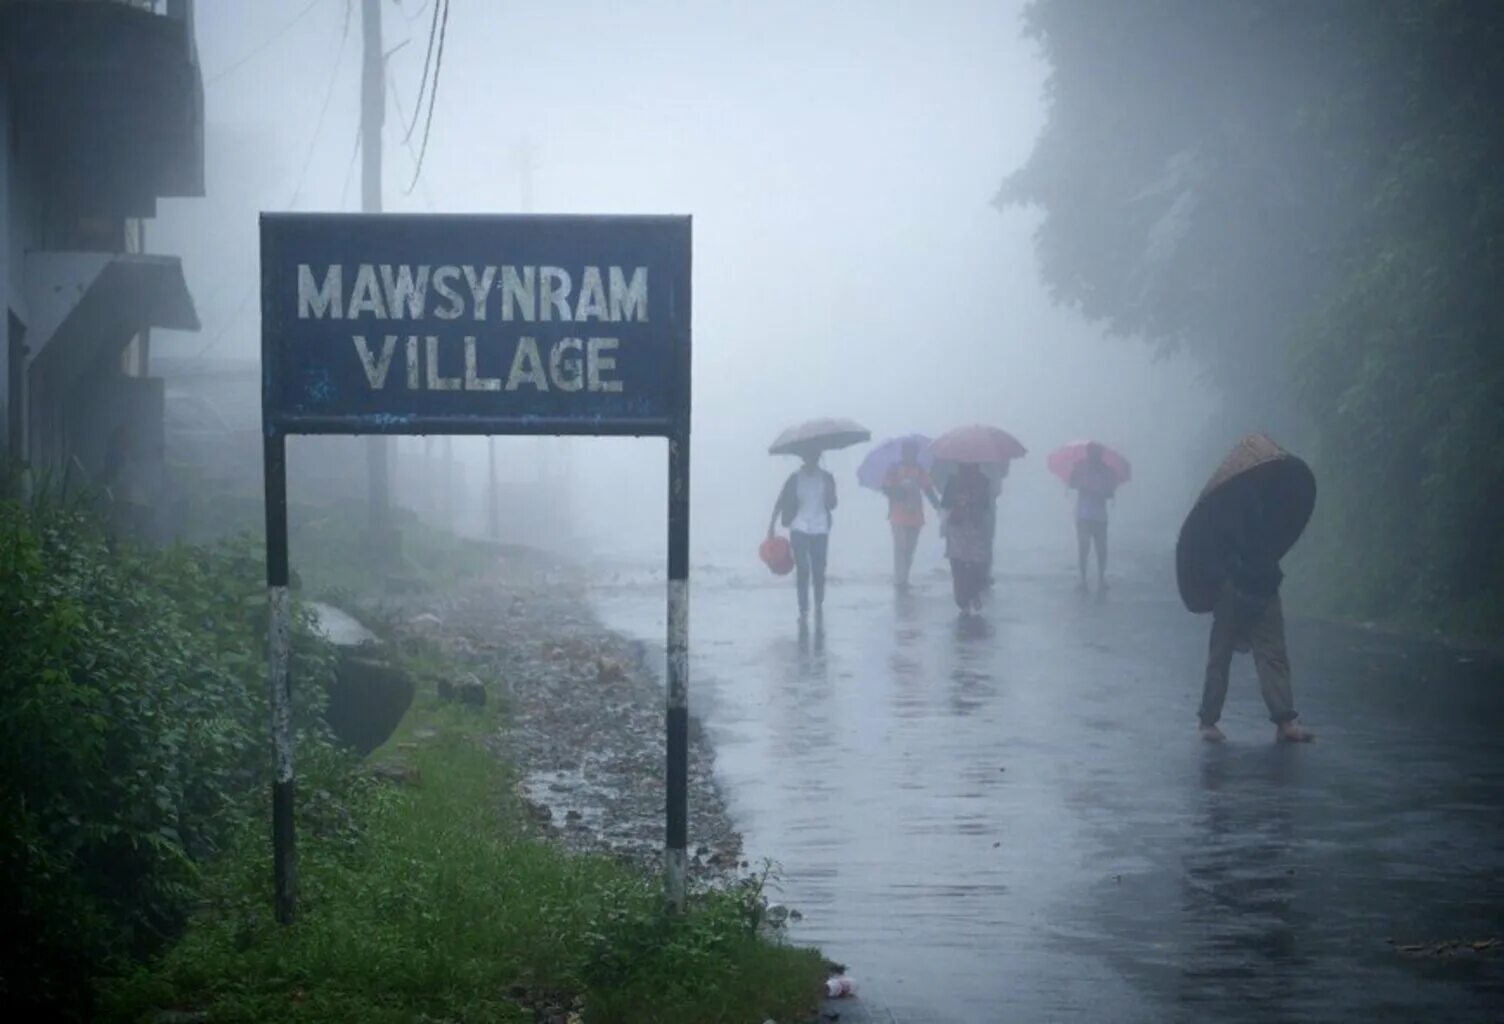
677	837
279	649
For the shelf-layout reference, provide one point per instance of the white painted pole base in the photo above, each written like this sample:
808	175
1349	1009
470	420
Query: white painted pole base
675	873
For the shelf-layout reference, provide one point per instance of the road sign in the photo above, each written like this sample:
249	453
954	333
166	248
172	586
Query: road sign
453	324
402	324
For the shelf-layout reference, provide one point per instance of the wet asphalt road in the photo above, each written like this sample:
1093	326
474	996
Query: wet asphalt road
1011	819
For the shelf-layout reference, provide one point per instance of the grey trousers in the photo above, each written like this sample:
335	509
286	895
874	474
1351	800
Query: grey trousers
1240	623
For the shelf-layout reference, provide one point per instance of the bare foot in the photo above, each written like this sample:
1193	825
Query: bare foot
1290	732
1211	734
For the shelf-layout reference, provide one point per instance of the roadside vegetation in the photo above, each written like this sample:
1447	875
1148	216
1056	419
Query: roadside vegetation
435	904
134	755
1325	241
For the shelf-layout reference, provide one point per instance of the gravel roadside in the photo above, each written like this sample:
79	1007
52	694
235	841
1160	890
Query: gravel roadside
585	718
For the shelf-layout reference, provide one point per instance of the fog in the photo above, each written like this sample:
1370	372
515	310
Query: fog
839	161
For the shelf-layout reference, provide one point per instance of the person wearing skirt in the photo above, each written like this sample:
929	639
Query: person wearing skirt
968	504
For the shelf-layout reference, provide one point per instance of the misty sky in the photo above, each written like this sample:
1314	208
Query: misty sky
838	160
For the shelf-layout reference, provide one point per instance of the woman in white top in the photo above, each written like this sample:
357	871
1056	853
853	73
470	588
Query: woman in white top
804	505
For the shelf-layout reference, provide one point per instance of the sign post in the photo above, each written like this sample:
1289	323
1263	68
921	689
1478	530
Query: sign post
400	324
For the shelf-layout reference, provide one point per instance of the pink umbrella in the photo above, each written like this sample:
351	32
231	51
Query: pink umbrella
1064	460
977	443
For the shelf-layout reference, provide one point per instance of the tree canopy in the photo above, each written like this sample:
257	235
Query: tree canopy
1305	197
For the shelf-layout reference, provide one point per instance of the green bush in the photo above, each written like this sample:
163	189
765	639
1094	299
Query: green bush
134	760
442	909
133	740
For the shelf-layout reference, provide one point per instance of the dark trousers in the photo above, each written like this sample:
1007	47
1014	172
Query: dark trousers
969	580
991	544
1243	623
810	550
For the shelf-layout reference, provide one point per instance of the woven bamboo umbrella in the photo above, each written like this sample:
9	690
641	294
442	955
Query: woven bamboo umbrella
1256	469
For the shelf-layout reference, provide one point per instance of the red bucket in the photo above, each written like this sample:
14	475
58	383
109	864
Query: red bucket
777	555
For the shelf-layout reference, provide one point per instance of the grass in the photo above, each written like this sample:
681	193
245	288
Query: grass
434	904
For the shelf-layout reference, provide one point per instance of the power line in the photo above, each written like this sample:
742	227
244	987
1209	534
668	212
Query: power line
345	30
234	319
318	127
433	98
344	189
418	13
265	43
297	192
391	86
433	32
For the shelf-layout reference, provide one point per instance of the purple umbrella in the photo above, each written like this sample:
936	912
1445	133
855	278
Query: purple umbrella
889	453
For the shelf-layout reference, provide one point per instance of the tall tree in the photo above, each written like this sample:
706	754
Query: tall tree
1304	196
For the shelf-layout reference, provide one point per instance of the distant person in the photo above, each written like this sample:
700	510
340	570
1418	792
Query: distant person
907	486
1094	483
1248	617
804	505
968	504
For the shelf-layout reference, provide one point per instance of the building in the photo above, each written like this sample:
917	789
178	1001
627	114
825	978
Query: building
101	115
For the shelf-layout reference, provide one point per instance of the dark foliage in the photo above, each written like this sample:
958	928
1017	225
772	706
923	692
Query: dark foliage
133	741
1305	196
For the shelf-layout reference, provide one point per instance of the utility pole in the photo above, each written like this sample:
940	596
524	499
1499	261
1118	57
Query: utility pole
372	115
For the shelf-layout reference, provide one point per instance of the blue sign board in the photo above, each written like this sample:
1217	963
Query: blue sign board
399	324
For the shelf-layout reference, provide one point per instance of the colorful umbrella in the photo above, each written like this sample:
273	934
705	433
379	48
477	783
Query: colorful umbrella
1064	460
874	468
1257	469
987	445
816	436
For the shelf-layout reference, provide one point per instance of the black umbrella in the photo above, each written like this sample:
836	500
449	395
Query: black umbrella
1256	470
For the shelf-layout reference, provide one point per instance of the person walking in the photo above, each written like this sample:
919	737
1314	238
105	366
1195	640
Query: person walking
1095	483
968	505
804	505
1227	562
1248	617
907	486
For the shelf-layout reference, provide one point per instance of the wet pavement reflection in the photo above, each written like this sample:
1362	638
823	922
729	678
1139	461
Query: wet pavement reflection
1011	817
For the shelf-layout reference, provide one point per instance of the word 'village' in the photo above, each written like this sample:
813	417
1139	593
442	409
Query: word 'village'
527	294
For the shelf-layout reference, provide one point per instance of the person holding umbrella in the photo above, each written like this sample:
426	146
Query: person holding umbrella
897	468
968	504
907	486
973	461
990	451
1248	516
1094	472
807	499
